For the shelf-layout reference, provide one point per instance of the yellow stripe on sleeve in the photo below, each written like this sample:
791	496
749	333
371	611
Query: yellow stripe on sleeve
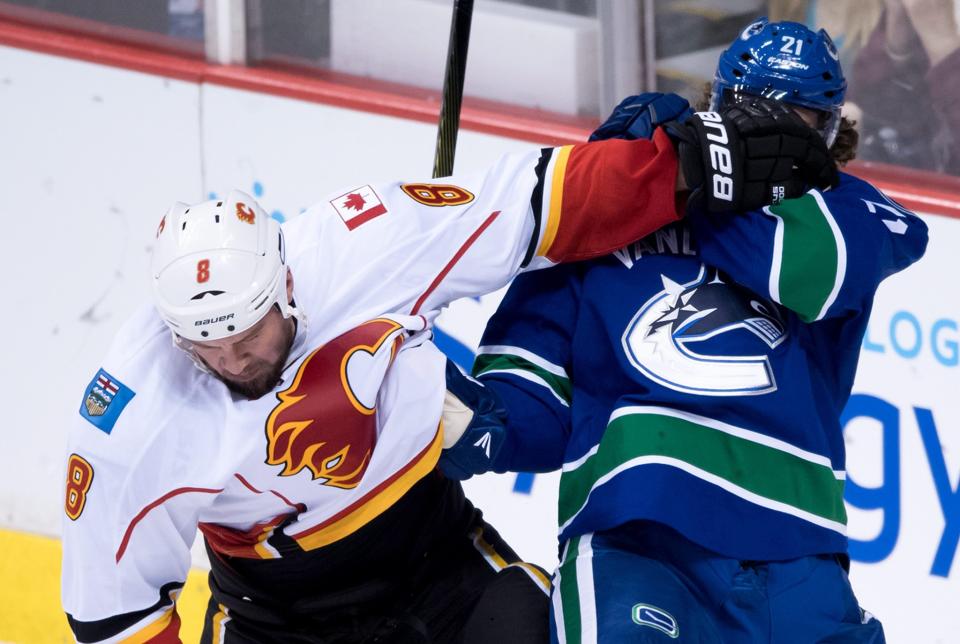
556	200
154	629
260	548
498	563
219	623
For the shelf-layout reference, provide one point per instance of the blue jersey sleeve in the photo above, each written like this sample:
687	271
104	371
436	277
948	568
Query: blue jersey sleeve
525	357
821	255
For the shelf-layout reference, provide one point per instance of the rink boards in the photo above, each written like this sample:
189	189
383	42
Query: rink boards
94	155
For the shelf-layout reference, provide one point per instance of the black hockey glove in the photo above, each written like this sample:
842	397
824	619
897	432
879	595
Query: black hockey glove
751	155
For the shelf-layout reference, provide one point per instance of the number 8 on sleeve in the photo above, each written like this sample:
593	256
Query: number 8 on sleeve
79	479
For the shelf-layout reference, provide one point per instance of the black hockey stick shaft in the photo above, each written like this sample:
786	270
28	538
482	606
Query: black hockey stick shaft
453	88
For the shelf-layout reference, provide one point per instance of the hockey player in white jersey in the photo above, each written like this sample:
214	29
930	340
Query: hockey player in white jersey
282	397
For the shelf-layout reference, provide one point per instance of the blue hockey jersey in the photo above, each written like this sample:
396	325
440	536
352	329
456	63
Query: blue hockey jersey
696	378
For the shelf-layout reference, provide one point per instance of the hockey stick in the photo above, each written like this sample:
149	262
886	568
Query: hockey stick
453	88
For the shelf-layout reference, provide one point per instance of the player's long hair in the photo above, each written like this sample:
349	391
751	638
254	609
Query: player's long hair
844	148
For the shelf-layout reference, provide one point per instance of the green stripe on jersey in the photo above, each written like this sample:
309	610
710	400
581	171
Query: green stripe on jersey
760	473
487	362
810	258
570	592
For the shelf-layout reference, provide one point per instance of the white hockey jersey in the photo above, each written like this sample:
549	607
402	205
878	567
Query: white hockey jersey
160	448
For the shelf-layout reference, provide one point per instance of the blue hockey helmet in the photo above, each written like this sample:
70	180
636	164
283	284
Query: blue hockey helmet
787	62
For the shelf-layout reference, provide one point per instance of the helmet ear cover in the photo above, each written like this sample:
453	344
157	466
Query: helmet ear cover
218	267
788	62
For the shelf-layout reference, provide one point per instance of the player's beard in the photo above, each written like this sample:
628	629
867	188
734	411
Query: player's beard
269	374
260	385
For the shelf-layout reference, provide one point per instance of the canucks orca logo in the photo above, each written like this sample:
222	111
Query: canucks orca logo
659	341
753	29
647	615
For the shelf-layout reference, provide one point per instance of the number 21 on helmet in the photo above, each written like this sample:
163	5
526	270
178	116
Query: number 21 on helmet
787	62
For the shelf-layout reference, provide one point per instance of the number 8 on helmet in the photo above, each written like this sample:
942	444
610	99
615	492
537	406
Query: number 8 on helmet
218	267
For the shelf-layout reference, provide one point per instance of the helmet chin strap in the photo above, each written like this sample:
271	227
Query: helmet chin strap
197	362
290	309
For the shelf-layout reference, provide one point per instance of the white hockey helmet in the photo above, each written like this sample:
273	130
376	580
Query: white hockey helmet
218	267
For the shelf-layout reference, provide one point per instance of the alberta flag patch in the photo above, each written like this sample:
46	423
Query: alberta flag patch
104	400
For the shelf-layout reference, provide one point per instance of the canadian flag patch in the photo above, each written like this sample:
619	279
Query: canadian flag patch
358	206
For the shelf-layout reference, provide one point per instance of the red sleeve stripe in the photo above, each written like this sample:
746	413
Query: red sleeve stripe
249	544
609	194
453	261
163	499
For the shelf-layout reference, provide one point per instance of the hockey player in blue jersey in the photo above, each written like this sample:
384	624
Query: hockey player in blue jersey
690	385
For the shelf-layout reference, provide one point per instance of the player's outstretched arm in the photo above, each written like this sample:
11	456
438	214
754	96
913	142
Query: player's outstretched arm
420	244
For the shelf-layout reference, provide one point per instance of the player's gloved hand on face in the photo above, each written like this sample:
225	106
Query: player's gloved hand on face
773	126
636	117
474	426
750	155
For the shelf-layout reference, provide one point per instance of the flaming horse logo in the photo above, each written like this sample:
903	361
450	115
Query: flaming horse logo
326	420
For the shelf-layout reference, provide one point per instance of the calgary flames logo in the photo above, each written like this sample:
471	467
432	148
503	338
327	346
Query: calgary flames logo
326	420
245	213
